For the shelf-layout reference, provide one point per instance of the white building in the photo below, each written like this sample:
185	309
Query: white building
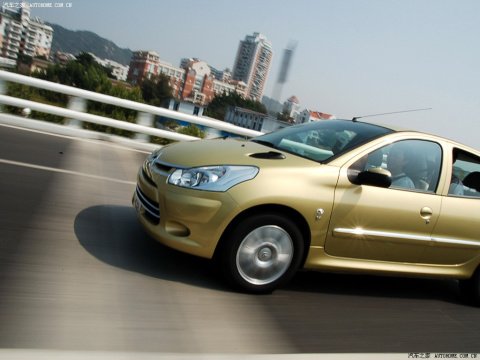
291	107
170	70
118	70
310	116
253	120
184	107
19	33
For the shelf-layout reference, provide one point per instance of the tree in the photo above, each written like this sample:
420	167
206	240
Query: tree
24	62
112	111
193	130
283	117
33	94
156	90
87	74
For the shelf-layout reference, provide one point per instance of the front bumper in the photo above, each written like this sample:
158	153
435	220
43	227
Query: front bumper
188	220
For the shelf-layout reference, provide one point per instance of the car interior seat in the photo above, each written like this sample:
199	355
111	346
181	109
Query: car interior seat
472	181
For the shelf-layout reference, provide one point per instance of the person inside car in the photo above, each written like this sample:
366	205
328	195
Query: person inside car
398	157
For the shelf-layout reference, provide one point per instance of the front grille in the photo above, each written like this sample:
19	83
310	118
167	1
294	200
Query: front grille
147	177
152	210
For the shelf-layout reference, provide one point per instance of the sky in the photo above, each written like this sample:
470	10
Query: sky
352	57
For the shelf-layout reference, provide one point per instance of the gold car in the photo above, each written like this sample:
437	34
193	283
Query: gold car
331	195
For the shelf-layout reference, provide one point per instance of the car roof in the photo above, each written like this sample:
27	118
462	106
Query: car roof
387	126
399	129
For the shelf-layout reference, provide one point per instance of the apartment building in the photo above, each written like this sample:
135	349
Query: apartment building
252	64
22	34
192	82
143	64
147	65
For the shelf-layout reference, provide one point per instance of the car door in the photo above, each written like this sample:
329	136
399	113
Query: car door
387	224
456	238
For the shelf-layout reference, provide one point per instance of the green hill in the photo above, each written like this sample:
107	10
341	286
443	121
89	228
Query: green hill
75	42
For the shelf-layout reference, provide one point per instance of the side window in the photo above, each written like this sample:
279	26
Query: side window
465	180
413	164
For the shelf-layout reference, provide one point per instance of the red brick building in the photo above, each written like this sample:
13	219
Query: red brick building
193	82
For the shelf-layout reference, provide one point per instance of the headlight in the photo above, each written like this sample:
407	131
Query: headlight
212	178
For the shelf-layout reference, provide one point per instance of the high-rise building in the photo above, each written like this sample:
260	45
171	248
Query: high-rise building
252	64
20	33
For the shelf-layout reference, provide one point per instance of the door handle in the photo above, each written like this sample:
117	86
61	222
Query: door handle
426	213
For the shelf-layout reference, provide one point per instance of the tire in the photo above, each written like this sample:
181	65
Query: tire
470	288
262	253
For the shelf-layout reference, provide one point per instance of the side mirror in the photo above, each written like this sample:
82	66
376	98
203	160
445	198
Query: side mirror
376	177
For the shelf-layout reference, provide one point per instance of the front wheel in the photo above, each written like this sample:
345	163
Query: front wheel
262	253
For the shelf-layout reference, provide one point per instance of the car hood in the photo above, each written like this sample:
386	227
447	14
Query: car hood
227	152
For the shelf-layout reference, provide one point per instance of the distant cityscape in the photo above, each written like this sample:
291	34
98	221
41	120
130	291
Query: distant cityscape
194	83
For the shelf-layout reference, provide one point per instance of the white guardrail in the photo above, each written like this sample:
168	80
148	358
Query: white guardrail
145	119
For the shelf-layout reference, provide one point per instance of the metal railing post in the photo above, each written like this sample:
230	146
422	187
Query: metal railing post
144	119
77	104
3	91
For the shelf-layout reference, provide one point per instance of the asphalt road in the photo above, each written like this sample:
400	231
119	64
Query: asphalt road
77	272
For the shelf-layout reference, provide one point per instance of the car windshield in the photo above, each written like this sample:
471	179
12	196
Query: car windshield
322	140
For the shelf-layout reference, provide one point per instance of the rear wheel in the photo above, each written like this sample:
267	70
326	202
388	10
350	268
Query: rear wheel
262	253
470	288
